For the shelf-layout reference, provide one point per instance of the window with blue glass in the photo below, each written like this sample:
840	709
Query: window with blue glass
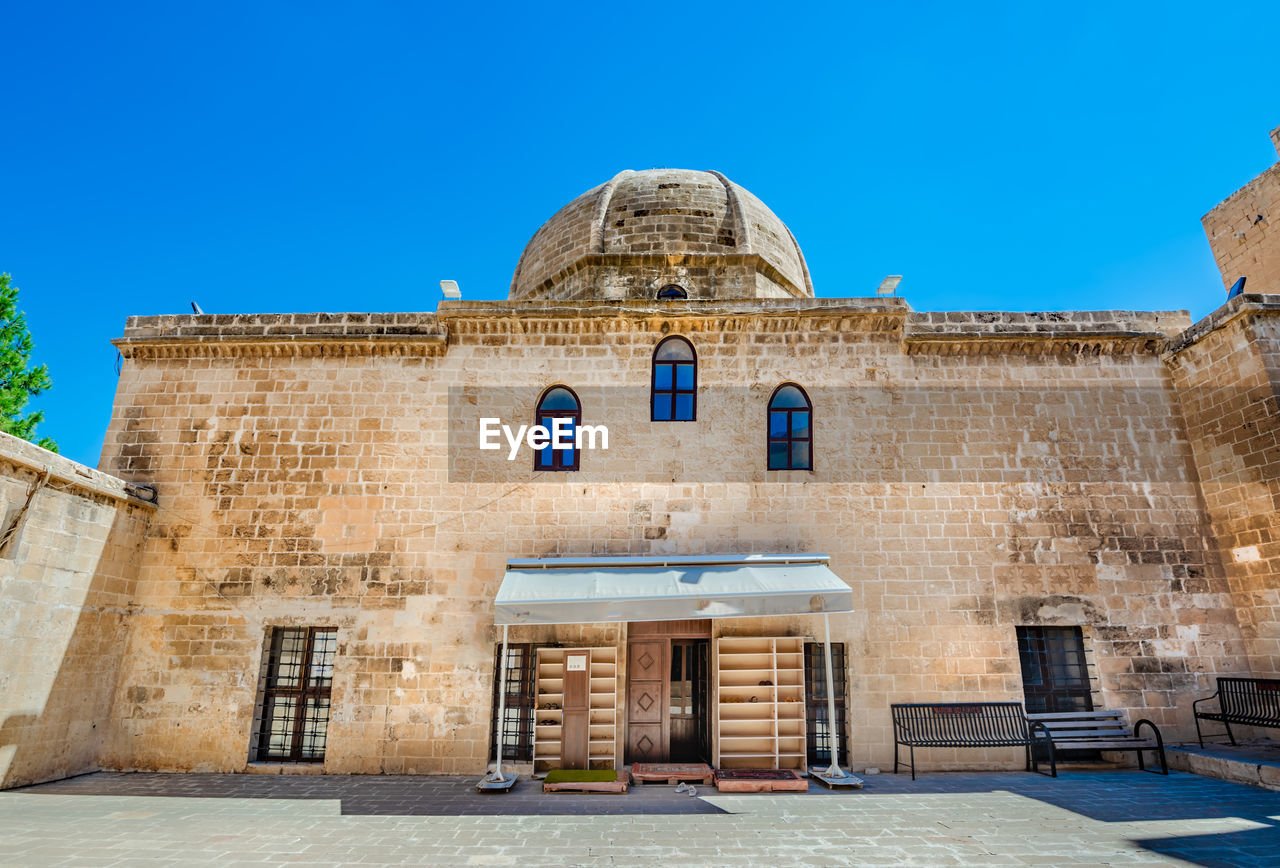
675	381
790	429
559	408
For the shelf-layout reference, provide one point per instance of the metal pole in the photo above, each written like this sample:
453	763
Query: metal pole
832	723
502	704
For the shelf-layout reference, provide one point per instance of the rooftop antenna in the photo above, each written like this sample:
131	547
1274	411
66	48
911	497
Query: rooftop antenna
450	289
1237	288
195	308
889	285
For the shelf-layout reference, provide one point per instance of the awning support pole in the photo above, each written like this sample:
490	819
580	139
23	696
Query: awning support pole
833	726
502	706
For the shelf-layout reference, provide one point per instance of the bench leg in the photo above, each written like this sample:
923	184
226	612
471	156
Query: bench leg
913	762
1230	734
1199	735
895	757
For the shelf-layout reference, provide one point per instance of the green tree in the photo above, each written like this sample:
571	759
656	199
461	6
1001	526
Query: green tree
19	382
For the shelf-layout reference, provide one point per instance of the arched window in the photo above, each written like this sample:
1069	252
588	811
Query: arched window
559	406
675	381
672	291
790	429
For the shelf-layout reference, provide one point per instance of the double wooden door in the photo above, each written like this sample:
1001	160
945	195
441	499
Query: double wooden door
667	719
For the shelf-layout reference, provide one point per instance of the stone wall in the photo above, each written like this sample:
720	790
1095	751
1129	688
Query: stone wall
67	574
1244	231
1227	372
973	473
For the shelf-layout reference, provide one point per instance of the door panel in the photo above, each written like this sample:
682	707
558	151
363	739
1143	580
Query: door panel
647	701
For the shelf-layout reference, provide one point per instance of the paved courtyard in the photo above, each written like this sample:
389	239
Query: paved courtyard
1083	818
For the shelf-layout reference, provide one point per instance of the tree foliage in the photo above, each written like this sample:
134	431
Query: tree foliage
19	382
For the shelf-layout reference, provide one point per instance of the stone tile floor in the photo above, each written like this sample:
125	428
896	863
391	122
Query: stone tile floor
995	818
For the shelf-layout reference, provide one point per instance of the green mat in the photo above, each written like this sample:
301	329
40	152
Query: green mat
581	776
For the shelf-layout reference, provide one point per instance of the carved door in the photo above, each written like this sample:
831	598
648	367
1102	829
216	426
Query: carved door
647	701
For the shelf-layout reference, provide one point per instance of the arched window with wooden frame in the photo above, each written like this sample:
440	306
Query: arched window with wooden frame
790	431
675	381
559	405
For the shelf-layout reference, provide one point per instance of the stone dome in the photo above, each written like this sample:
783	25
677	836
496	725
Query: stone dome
642	231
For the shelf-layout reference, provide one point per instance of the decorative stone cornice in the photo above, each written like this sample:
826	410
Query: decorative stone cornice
317	334
632	316
1091	332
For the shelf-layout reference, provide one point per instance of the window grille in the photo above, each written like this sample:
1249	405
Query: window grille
815	703
517	732
298	680
1055	675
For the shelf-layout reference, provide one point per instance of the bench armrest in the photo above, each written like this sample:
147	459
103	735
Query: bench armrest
1206	699
1154	729
1040	727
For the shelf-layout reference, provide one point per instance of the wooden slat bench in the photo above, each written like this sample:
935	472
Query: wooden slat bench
1094	730
1242	701
959	724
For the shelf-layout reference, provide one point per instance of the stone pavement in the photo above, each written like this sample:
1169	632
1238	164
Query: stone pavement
996	818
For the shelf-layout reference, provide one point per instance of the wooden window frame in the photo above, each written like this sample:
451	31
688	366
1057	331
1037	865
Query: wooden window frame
1042	649
558	464
789	438
304	691
674	392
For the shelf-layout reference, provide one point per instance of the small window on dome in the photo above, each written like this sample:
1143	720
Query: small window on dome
671	291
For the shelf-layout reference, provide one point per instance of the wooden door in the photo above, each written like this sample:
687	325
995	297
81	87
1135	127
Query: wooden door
575	727
687	687
647	701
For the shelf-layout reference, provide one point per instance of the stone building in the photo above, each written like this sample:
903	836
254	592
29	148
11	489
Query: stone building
1062	508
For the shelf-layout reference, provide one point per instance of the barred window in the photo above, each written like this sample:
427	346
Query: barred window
1055	675
815	703
297	681
517	731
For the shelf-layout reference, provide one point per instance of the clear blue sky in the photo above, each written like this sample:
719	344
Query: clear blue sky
308	156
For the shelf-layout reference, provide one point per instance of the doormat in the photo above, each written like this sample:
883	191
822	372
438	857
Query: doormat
760	781
671	773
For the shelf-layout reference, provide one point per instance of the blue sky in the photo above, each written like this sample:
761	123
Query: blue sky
315	156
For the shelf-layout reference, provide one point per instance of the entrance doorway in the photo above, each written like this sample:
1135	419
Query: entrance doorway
668	692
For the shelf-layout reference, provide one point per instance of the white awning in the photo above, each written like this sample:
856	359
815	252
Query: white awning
594	590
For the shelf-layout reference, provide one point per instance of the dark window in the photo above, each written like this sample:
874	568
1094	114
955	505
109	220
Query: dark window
675	381
295	700
1055	676
671	291
559	407
517	733
815	703
790	429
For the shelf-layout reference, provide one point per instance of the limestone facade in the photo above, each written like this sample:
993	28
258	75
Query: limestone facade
973	473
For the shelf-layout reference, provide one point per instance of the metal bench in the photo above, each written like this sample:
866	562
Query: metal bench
959	724
1094	730
1243	701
